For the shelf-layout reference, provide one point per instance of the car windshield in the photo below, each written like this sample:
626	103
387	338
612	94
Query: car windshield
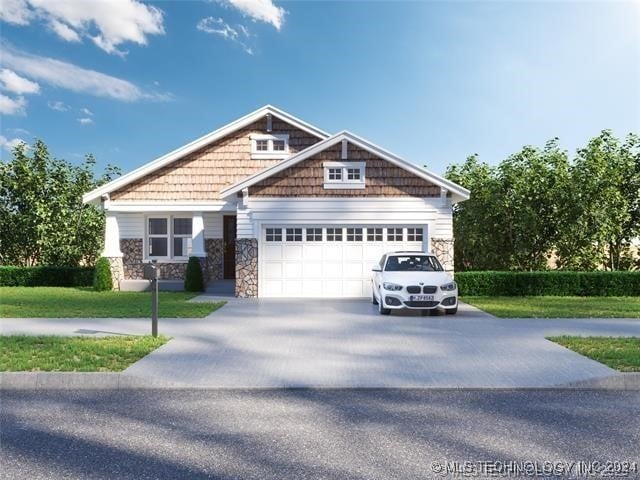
412	263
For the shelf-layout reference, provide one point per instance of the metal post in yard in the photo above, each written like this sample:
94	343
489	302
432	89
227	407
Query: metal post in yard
154	307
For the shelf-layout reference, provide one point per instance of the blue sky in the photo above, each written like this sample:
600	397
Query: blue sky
430	81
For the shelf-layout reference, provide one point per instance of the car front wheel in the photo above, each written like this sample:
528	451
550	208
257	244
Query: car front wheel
382	310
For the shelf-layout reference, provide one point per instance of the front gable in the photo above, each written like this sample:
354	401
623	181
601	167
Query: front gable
201	175
307	178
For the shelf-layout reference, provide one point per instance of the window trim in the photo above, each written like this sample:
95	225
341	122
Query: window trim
344	182
148	236
170	257
270	153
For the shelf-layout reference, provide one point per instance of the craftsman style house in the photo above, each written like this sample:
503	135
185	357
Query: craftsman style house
278	205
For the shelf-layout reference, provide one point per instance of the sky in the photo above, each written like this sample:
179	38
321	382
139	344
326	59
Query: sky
433	82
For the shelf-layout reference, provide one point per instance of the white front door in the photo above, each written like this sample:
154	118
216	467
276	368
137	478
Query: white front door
329	260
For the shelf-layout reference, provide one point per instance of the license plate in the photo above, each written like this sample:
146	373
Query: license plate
421	298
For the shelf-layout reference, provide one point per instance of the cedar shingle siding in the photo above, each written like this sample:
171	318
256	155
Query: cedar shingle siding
382	179
202	174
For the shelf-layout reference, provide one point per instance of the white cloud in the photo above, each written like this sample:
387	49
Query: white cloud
259	10
64	31
218	26
19	131
10	144
58	106
85	121
77	79
15	11
12	106
10	81
107	23
87	112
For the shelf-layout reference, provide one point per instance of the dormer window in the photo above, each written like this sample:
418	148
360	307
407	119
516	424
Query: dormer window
269	146
344	175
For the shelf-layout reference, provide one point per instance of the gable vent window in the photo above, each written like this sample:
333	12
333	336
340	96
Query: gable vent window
344	175
269	146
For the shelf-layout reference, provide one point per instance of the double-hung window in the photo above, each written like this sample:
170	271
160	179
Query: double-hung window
344	175
169	237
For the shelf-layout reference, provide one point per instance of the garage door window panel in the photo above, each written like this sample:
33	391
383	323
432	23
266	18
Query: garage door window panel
394	234
273	235
414	234
313	234
294	234
334	234
374	234
354	234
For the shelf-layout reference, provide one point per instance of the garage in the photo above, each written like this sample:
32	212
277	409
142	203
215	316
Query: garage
328	260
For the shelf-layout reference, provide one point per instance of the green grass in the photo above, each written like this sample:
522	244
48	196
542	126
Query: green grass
619	353
558	307
84	302
21	353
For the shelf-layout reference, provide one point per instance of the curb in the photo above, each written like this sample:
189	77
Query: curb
120	381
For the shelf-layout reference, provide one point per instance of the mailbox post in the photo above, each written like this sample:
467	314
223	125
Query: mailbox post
151	274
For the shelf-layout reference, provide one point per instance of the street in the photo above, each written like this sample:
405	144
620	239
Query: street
310	434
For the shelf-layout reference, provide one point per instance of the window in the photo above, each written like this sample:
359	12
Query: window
294	234
394	234
269	145
346	175
314	234
273	235
354	234
353	174
158	237
181	237
414	234
374	234
335	174
334	234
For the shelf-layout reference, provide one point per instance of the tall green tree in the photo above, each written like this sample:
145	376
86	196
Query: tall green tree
42	218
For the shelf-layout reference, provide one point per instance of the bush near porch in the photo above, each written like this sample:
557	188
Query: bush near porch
46	276
554	283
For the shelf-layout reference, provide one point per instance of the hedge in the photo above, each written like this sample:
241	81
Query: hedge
102	281
193	281
558	283
46	276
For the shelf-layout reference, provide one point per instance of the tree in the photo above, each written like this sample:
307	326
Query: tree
42	217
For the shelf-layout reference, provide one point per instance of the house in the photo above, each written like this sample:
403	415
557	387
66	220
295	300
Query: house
278	205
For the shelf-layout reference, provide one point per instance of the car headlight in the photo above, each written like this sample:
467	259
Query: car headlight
392	286
448	287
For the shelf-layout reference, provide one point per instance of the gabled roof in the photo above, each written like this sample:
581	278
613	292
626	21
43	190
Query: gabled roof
211	137
458	193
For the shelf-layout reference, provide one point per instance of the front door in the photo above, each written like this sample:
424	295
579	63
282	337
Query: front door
229	239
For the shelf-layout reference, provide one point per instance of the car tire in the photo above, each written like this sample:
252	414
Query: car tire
451	311
374	300
382	310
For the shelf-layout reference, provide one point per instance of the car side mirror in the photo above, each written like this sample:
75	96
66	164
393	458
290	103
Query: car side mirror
376	268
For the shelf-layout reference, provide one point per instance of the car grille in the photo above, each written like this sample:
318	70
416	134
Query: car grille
421	304
429	289
413	289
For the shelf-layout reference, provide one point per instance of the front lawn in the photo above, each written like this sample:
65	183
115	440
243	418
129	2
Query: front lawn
619	353
21	353
83	302
558	307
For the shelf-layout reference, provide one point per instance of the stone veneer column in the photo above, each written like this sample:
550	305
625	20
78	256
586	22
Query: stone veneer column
246	267
117	271
215	257
132	258
442	248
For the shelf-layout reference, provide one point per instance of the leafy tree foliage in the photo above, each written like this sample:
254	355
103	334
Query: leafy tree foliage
537	203
42	218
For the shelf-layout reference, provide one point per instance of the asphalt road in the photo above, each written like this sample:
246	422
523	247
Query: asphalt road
300	434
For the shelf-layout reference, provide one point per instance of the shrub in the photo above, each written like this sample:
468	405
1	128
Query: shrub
559	283
193	281
102	278
46	276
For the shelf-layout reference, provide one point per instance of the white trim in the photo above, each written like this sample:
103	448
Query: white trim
459	193
197	235
270	153
180	152
343	185
344	182
345	150
167	206
111	237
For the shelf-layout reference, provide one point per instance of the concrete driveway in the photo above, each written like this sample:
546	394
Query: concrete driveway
346	343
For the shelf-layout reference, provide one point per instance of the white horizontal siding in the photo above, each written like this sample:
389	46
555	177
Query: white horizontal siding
245	224
213	225
131	225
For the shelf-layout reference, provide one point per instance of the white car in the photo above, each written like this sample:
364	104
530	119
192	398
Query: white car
413	280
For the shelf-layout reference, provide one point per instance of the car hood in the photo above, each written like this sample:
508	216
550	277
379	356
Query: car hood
414	278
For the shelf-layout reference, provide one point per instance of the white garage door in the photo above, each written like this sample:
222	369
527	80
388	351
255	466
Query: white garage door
327	261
